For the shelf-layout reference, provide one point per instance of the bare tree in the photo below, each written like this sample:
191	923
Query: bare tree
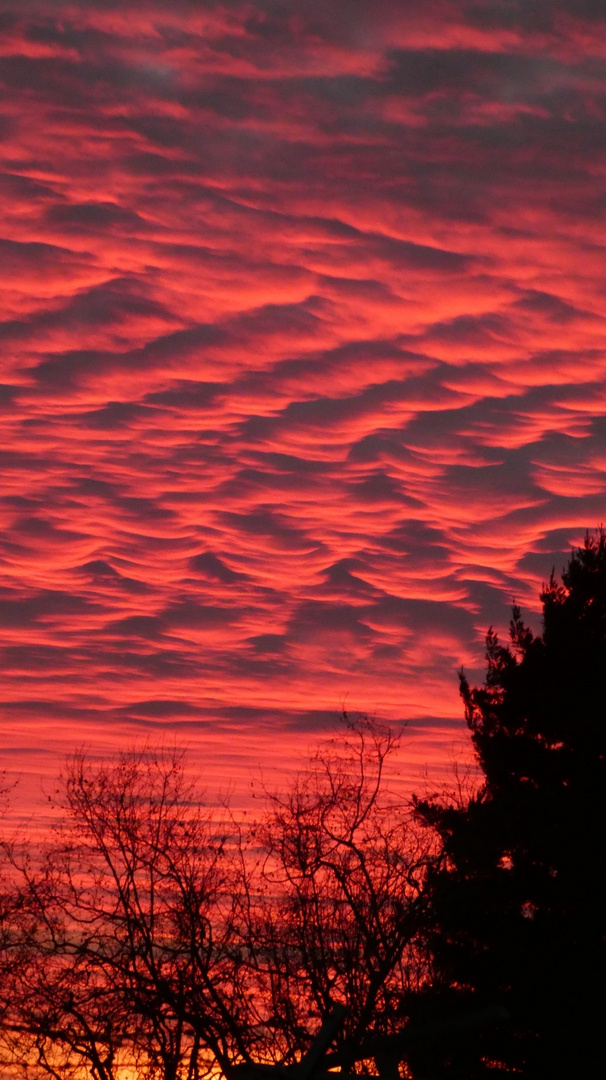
131	961
152	936
335	902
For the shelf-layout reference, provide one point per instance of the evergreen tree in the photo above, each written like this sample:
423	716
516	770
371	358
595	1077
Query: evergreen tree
518	903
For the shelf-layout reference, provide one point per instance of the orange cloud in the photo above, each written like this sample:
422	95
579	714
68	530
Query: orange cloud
301	365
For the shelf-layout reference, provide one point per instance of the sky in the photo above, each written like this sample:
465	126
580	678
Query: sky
302	364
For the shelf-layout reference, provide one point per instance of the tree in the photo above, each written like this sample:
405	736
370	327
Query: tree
15	924
127	957
336	899
518	902
151	938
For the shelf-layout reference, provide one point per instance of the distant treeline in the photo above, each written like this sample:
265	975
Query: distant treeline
462	933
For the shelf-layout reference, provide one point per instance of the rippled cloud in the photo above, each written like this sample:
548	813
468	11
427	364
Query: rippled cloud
302	372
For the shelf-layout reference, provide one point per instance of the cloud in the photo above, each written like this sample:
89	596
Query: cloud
302	368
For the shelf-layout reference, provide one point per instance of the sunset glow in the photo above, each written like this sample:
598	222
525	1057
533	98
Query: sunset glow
302	369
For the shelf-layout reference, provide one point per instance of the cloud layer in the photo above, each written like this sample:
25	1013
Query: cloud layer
302	359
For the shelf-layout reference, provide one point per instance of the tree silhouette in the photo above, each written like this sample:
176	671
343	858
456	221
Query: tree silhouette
518	910
125	935
336	900
152	936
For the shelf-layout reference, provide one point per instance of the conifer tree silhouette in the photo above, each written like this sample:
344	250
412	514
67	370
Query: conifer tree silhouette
518	903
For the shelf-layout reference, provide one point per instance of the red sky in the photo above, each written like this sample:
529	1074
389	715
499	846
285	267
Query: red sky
302	367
